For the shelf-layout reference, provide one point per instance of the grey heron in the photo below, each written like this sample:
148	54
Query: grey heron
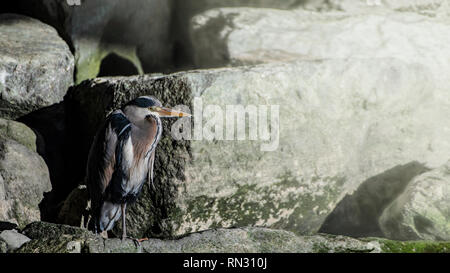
121	159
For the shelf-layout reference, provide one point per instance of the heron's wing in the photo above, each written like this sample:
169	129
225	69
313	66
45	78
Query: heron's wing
103	157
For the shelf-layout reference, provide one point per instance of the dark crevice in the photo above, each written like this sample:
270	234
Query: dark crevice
49	126
114	65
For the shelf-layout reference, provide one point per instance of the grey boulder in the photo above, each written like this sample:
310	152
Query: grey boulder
19	132
422	211
24	178
13	239
36	66
342	123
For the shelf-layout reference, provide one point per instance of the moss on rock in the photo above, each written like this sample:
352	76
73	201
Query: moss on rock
18	132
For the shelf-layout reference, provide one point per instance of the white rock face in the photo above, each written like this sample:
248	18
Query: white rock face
423	210
236	36
430	8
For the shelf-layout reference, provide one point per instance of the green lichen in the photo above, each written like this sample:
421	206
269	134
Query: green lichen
88	65
390	246
251	204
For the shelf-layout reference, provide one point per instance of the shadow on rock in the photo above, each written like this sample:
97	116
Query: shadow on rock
50	128
357	214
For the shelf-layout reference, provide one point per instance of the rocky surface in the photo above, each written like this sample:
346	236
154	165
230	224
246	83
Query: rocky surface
362	146
36	66
422	211
74	210
18	132
358	214
430	8
24	178
3	246
49	124
237	36
392	113
13	239
185	10
51	238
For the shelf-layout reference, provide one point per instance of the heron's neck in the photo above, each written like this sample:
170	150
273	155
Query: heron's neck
146	134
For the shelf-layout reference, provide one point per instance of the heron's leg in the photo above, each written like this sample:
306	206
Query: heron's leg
124	224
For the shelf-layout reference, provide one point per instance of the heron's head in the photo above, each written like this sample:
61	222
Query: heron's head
143	107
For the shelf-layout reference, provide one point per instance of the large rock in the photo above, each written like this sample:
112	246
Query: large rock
237	36
423	210
24	178
19	132
13	239
132	36
52	238
36	66
342	122
184	10
49	124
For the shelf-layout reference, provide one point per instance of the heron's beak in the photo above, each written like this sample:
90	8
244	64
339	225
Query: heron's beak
167	112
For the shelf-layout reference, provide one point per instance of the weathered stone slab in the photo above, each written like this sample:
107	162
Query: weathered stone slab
24	178
341	123
36	66
242	36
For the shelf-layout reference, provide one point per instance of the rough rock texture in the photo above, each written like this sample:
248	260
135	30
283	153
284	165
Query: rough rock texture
357	214
135	32
184	10
13	239
74	210
342	122
422	212
19	132
426	7
24	178
49	123
36	66
3	246
52	238
236	36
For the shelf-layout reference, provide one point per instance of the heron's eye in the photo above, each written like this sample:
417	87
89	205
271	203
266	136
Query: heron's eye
154	108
